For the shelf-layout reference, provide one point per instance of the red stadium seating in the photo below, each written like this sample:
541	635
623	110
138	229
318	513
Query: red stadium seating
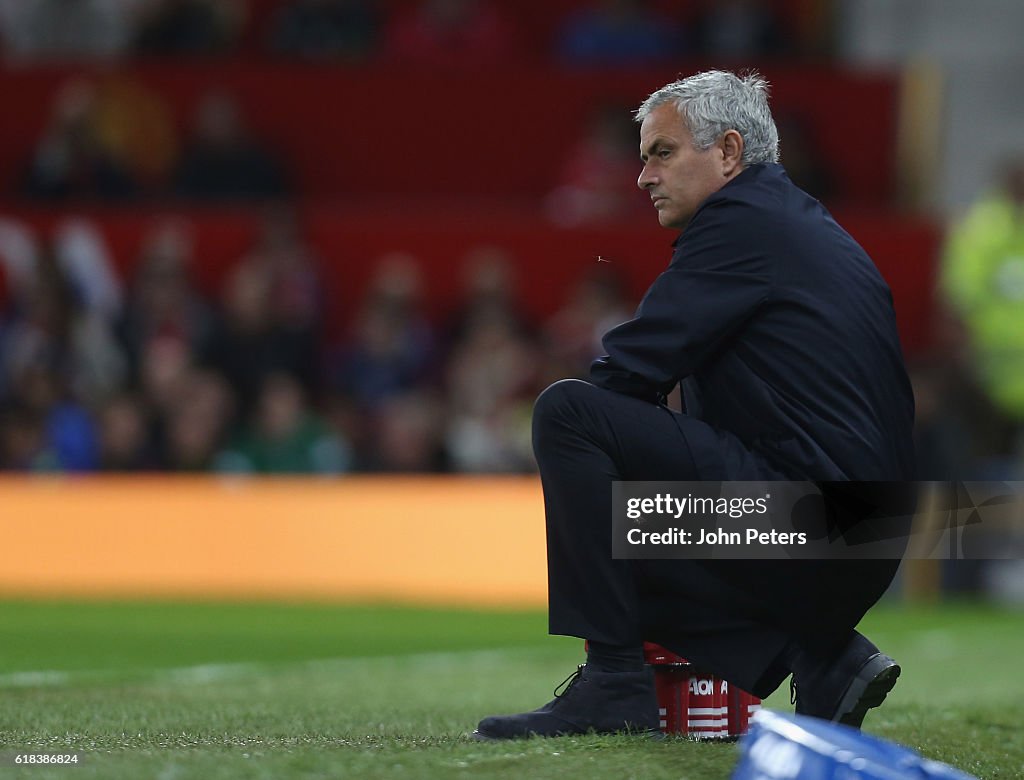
497	133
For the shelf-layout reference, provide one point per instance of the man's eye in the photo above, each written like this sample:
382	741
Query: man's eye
664	154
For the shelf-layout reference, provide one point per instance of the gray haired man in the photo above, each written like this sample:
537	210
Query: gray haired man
782	335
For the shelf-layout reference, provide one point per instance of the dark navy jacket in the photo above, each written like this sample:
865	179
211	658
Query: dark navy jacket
784	335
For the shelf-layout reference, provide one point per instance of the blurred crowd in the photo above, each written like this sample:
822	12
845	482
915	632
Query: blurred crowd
614	32
155	375
102	369
111	138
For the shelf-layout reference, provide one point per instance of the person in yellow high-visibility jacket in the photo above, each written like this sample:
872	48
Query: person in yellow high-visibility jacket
983	279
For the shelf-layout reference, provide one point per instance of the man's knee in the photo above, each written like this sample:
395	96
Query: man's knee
558	397
556	404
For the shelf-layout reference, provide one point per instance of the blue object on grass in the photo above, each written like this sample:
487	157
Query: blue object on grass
794	747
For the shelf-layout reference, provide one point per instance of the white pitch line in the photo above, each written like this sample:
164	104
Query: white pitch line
208	673
185	675
34	679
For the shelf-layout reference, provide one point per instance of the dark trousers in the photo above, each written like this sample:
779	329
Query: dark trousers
733	618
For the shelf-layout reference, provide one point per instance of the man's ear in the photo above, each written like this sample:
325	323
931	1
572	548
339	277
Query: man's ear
732	153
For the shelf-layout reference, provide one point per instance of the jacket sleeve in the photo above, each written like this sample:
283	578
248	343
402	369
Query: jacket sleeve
719	276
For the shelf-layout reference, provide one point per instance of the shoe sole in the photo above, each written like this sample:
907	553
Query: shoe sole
479	736
868	690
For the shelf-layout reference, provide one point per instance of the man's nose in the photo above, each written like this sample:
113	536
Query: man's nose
645	179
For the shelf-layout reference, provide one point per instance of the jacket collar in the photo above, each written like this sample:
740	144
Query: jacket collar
749	175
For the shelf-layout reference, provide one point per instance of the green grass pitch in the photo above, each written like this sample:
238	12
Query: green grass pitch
174	691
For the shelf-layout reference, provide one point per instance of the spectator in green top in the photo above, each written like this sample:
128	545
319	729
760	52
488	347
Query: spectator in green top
286	437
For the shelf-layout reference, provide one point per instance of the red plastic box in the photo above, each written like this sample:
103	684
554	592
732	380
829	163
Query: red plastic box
694	703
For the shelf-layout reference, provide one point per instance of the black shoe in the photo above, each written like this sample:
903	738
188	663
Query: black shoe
599	702
844	689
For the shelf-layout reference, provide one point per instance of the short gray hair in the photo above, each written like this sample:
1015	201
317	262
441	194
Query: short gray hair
715	101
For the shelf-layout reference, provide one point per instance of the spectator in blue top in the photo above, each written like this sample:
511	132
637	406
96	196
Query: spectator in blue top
617	32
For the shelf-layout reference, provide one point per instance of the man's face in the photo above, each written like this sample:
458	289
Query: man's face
677	176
